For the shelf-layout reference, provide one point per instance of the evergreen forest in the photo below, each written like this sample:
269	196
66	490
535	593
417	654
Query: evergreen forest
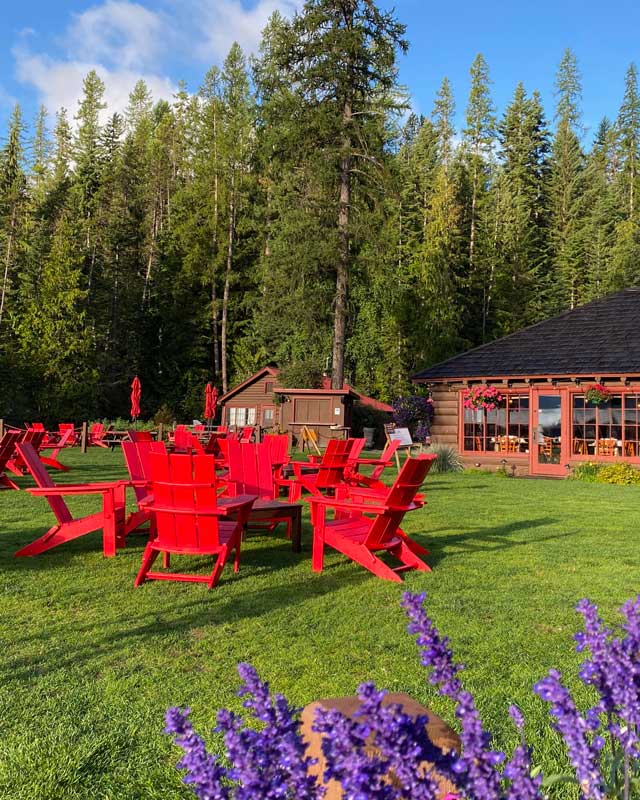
293	210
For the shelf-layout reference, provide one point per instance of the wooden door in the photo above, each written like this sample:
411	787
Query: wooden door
549	432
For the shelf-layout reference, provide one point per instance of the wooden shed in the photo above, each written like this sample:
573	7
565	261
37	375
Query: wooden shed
262	400
544	422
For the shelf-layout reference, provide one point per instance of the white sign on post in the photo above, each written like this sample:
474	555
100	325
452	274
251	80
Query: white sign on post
401	435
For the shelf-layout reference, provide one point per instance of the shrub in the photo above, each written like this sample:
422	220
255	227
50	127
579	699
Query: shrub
366	417
266	758
622	474
448	459
587	472
164	415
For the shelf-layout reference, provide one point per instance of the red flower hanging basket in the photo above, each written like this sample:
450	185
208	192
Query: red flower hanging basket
597	393
486	397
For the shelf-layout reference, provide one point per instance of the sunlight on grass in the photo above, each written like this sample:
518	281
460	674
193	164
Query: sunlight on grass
89	664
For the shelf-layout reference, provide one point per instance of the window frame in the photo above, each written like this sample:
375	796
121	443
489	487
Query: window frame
623	391
500	454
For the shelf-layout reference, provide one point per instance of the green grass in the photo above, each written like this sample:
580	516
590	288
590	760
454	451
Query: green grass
89	664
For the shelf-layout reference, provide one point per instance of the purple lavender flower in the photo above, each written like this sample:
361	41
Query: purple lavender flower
575	730
204	774
436	654
476	768
614	670
269	763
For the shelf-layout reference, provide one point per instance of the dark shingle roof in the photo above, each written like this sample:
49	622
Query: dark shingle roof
599	338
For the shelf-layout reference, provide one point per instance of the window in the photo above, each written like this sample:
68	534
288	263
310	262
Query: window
503	430
607	429
267	416
268	387
242	416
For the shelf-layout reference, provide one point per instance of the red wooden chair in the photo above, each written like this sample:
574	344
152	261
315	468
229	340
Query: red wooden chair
51	460
252	472
140	436
110	518
39	426
172	434
373	481
31	436
246	434
137	458
190	518
69	426
198	430
7	449
330	470
363	528
97	433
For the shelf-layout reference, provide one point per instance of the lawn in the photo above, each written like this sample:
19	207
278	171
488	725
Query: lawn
89	664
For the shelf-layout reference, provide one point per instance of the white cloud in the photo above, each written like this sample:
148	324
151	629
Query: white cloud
59	83
119	33
223	22
125	41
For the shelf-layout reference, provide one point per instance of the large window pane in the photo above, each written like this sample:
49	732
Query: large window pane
504	429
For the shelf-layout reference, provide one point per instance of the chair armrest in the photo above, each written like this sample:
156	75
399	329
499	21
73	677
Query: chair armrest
222	509
332	502
77	488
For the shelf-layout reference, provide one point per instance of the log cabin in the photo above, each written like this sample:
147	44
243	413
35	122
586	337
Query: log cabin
262	400
545	423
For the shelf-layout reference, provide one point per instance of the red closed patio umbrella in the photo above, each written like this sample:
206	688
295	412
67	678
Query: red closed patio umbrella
136	394
210	401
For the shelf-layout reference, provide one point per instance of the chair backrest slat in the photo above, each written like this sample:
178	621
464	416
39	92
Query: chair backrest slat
184	484
8	446
251	469
44	481
334	462
136	457
400	495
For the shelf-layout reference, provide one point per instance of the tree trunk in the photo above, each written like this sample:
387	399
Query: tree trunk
7	261
227	282
214	248
342	269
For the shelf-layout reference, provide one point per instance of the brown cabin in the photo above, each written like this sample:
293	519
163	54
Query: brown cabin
544	425
262	400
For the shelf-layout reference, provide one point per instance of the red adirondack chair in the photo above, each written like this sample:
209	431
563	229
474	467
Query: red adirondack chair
97	433
31	436
137	458
39	426
246	434
198	430
362	528
69	426
189	517
51	460
7	448
373	481
110	518
140	436
251	472
330	470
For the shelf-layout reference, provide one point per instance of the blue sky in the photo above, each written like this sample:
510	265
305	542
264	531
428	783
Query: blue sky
47	46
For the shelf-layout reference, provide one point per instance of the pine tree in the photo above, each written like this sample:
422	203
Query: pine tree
518	286
13	196
340	55
566	189
479	138
628	125
442	116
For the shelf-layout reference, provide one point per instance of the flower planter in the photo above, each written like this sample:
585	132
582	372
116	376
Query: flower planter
439	732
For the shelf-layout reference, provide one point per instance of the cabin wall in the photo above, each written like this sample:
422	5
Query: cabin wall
447	427
259	397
